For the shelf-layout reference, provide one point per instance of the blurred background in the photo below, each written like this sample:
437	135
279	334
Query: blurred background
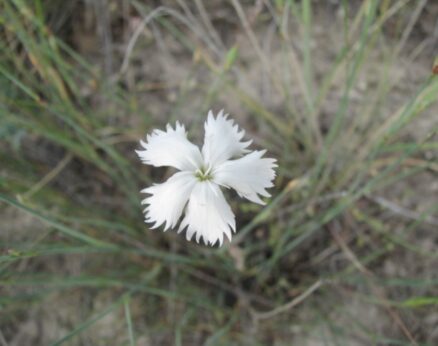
342	93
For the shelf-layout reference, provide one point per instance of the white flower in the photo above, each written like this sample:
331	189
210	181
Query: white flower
196	187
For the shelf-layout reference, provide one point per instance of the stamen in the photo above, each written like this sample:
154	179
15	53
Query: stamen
203	175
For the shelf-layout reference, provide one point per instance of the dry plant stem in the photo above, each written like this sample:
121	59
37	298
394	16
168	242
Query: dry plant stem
49	176
377	291
368	111
159	11
312	202
246	26
355	46
396	209
104	32
136	35
197	27
297	67
207	22
410	26
237	292
283	308
378	164
250	33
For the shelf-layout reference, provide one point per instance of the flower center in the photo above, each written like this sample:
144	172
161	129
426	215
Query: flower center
203	174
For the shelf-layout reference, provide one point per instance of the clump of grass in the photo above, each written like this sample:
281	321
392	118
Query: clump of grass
67	139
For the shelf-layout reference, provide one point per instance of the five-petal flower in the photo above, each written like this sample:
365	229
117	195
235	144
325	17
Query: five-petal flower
224	161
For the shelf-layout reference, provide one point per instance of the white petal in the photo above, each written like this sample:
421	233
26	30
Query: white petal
222	140
170	148
208	214
168	199
250	175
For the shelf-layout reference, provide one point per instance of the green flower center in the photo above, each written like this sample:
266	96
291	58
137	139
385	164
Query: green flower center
203	174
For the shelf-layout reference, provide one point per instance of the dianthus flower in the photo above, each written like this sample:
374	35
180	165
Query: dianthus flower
195	189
